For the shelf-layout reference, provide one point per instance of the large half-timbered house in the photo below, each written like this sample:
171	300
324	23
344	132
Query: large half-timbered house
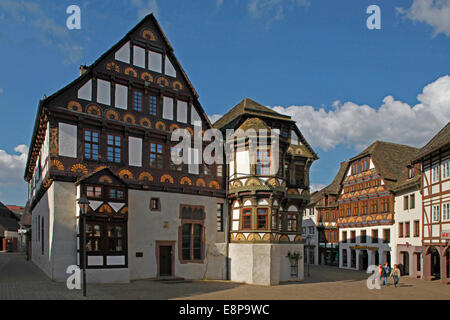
366	204
268	190
107	135
434	159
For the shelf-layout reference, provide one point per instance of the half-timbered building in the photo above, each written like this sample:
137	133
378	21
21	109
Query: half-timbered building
327	216
268	190
107	136
366	204
434	159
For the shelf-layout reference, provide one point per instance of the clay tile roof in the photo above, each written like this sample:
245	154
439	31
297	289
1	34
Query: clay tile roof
441	139
391	161
8	221
333	187
316	196
248	106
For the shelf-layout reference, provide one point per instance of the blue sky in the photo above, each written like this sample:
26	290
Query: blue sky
315	60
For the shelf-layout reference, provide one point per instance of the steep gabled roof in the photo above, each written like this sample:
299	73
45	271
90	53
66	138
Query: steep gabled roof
334	187
390	160
253	109
101	172
249	107
8	221
316	196
254	123
88	73
441	139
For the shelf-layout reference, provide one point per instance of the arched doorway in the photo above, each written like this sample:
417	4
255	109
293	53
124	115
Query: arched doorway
435	263
448	262
418	262
405	263
363	260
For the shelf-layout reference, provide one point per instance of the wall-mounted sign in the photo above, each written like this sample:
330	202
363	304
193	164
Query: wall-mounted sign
445	234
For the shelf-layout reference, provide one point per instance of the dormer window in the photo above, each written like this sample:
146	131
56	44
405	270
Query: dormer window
411	173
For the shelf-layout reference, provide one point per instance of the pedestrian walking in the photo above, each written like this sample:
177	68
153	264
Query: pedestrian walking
380	272
386	273
396	274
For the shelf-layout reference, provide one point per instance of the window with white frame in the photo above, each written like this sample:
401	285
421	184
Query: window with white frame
446	211
446	169
436	213
435	173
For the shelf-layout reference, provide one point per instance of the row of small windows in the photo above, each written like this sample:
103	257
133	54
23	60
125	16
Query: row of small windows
112	193
437	212
146	59
363	236
444	168
360	166
156	153
404	229
139	102
259	220
381	205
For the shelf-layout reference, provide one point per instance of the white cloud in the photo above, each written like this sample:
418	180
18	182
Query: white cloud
214	118
273	8
1	90
47	31
435	13
316	187
146	7
12	166
219	3
359	125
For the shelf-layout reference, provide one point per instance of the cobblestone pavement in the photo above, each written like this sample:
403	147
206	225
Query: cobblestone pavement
21	279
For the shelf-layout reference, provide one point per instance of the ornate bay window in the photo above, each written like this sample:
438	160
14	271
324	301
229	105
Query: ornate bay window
246	218
106	220
261	221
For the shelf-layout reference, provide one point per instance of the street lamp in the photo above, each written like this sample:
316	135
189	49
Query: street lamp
84	206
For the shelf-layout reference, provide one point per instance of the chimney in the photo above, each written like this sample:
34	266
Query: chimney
83	69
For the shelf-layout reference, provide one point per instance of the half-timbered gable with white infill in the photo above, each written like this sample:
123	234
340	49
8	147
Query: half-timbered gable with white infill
120	114
434	159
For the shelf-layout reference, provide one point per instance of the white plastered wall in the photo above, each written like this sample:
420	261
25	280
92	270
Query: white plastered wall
145	227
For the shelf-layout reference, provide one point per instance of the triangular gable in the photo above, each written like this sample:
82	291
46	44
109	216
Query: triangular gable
80	82
103	176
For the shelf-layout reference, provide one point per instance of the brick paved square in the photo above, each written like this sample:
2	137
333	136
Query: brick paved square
21	279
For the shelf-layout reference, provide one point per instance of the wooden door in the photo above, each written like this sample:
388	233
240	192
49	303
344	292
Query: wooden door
165	261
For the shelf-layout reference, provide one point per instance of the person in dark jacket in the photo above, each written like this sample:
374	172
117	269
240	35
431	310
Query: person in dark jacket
386	273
